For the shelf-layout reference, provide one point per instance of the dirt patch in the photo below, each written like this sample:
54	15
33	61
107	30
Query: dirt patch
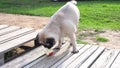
90	37
37	22
23	20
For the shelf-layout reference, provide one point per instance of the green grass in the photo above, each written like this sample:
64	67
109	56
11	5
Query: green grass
101	39
81	42
29	7
94	14
100	15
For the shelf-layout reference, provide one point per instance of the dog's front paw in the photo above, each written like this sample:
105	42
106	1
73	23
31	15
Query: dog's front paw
75	51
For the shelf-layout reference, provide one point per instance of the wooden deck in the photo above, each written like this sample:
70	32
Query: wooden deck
89	56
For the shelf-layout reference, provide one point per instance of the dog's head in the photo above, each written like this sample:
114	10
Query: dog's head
46	42
49	42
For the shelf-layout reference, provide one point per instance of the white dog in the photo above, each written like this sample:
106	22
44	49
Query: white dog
63	23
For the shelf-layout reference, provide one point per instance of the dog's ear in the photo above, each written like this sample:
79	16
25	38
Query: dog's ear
36	41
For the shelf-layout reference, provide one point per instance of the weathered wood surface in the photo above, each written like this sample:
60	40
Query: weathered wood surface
106	59
12	37
92	58
89	56
46	62
116	63
25	59
65	58
1	59
17	42
82	58
3	26
73	57
8	30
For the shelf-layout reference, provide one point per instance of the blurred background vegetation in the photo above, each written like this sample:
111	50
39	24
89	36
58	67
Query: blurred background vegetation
98	14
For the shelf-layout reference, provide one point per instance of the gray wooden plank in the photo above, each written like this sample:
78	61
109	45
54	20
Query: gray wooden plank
8	30
1	59
38	60
112	58
82	58
15	34
17	42
106	59
116	63
92	58
26	58
72	58
48	61
3	26
79	46
32	64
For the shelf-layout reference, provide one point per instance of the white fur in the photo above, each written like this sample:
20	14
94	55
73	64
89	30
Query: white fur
63	22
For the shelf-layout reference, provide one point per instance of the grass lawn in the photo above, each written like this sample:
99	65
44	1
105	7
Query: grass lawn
94	14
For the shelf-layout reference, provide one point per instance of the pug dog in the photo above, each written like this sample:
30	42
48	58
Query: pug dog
62	23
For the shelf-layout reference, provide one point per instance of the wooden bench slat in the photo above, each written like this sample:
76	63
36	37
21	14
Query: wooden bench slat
26	58
17	42
116	63
112	58
1	60
8	30
73	57
106	59
3	26
79	46
37	60
48	61
92	58
82	58
15	34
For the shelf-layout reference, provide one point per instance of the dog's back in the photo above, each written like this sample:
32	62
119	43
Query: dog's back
68	11
67	16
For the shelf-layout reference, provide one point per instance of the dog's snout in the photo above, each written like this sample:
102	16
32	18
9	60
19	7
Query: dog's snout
49	43
47	46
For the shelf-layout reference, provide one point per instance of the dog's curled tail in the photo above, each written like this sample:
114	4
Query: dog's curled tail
74	2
